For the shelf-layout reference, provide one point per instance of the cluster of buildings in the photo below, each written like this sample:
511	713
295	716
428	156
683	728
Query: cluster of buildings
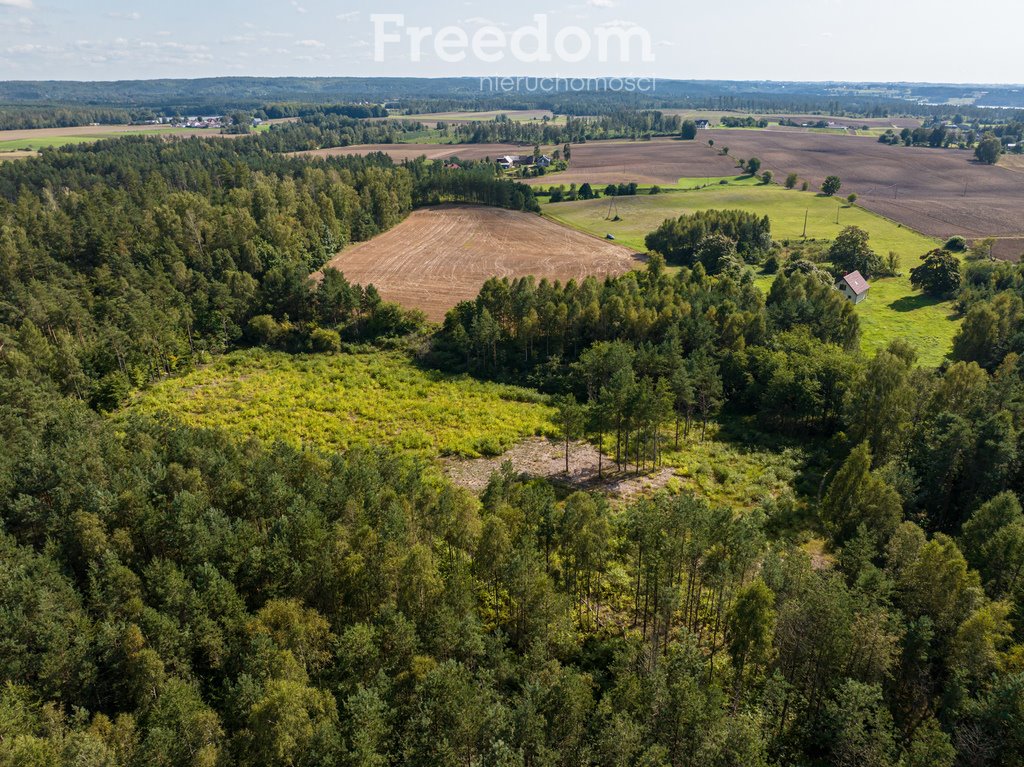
509	161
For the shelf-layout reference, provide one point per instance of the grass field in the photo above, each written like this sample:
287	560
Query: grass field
892	310
44	141
336	402
46	137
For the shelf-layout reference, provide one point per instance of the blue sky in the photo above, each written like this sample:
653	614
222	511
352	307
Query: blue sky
727	39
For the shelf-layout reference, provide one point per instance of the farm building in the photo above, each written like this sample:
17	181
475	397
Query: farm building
854	287
543	161
510	161
702	124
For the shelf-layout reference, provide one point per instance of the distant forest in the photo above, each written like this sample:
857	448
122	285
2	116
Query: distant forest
138	99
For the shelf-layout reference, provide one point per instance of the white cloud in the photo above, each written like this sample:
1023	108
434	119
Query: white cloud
29	48
618	23
26	4
601	3
310	44
350	16
132	16
299	7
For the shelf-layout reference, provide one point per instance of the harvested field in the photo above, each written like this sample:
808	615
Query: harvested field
1014	162
659	161
515	115
399	152
774	117
939	192
440	256
1009	248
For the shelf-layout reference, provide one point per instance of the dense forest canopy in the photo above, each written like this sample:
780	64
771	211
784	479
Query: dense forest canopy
173	596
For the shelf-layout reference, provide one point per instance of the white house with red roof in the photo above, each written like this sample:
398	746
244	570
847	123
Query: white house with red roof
854	287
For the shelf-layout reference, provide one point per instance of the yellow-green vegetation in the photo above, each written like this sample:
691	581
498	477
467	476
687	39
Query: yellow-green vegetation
893	309
731	473
338	401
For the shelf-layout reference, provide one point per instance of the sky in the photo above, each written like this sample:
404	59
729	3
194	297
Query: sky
814	40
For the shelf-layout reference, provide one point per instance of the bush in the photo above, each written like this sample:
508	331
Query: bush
791	180
956	244
831	185
767	176
325	341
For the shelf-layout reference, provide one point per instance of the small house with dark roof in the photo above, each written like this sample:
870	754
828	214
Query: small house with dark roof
854	287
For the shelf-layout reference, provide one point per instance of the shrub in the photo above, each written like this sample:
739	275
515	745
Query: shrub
325	341
831	185
956	244
791	180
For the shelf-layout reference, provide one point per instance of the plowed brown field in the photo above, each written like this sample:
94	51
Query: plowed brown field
440	256
940	192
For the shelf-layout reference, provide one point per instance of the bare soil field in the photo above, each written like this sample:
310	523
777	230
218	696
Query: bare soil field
516	115
440	256
1014	162
774	117
939	192
539	457
1009	248
658	161
400	152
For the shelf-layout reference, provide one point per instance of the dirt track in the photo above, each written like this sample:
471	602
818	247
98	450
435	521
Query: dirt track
440	256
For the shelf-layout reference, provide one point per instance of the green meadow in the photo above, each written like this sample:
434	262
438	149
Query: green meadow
338	401
893	309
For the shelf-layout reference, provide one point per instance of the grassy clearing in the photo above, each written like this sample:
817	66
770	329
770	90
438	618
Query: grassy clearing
47	141
702	182
336	402
42	142
729	471
893	308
